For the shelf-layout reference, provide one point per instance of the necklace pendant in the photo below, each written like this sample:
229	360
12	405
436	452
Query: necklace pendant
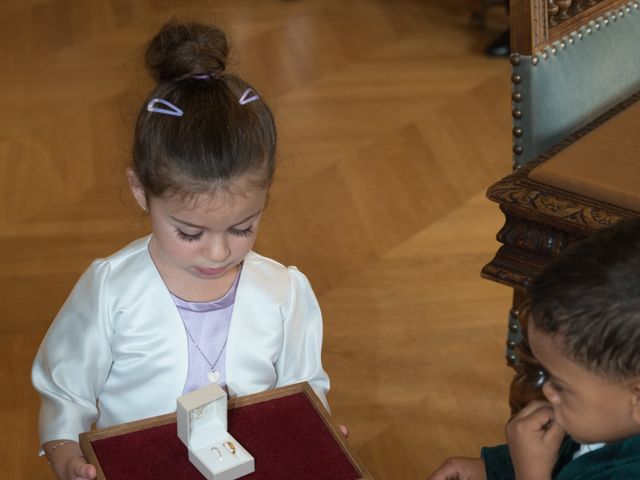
213	376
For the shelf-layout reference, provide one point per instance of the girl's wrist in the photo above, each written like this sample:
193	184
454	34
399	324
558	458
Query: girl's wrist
50	447
59	453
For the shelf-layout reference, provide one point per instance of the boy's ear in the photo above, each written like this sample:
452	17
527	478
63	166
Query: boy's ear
137	190
635	400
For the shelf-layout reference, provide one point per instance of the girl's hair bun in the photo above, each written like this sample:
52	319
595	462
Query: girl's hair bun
181	50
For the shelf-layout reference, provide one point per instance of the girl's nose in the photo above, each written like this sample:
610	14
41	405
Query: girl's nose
216	249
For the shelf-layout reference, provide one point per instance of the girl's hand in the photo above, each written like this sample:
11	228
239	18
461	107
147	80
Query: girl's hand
79	469
461	468
534	439
67	461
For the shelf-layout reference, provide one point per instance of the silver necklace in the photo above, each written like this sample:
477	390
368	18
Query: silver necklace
212	375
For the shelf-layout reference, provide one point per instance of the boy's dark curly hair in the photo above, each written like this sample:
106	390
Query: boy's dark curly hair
588	299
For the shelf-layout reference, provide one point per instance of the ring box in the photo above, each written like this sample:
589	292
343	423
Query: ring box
287	429
202	426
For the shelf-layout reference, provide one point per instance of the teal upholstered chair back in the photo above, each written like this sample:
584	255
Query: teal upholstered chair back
570	64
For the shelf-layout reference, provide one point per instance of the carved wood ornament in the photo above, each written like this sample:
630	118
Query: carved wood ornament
542	22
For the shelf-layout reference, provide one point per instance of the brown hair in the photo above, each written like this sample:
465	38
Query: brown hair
216	139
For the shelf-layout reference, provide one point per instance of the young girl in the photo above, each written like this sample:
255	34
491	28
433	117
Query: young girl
191	303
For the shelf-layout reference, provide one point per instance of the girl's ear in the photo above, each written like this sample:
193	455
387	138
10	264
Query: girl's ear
137	190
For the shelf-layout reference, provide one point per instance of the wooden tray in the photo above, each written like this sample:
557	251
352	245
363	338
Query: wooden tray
268	464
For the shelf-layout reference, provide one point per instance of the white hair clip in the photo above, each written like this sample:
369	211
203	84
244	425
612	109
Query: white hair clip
171	110
245	98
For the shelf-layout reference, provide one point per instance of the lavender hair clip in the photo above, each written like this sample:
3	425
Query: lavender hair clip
248	96
170	110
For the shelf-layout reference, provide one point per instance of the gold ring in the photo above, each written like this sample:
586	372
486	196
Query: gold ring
230	446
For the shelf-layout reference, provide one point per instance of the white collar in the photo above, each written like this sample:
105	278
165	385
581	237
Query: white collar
586	448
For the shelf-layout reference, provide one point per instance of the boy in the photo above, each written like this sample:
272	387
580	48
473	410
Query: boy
584	329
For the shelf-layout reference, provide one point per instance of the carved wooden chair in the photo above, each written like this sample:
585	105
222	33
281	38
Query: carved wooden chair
576	132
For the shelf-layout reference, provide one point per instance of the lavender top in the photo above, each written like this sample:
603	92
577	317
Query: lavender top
207	324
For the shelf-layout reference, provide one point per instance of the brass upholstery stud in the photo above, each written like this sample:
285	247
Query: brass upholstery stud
515	78
517	149
517	114
515	59
516	96
517	132
534	60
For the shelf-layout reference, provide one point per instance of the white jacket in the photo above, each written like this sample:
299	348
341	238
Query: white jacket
117	350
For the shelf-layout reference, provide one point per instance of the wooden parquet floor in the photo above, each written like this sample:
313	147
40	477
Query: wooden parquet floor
392	125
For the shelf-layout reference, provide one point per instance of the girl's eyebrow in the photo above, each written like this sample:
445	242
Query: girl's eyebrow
184	222
247	219
193	225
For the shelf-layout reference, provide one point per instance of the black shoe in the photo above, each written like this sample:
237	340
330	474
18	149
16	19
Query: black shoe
499	47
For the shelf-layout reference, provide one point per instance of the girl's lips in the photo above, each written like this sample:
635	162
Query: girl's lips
210	271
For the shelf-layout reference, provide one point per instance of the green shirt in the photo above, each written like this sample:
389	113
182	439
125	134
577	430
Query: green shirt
615	461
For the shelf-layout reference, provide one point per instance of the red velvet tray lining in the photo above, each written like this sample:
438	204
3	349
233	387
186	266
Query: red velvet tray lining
286	436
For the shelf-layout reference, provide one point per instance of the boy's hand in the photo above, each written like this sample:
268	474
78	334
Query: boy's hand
534	439
460	468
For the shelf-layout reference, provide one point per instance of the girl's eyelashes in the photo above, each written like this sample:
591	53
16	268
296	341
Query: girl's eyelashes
246	232
242	233
186	237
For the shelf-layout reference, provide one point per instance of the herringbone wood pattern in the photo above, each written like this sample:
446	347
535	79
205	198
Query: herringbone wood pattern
392	125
